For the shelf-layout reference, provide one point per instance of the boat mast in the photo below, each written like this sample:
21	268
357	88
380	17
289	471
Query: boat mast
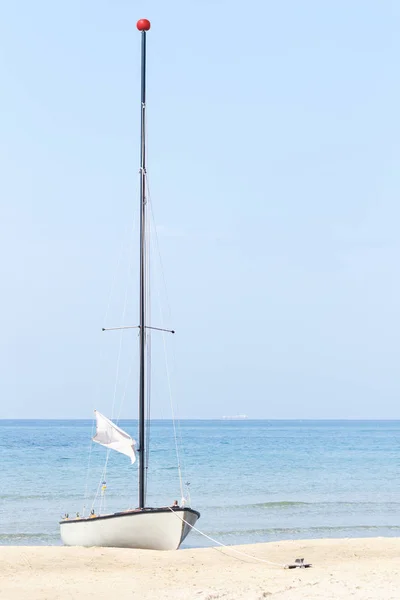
143	26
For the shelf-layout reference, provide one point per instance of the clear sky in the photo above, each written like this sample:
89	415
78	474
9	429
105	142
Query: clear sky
274	151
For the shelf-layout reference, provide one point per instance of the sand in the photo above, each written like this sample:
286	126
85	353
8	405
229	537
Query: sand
357	569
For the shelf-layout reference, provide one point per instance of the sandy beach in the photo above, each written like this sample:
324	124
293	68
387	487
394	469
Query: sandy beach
352	568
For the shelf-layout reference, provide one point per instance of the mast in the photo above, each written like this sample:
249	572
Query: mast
143	26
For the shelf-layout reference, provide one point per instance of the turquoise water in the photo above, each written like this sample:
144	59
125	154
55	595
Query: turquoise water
252	481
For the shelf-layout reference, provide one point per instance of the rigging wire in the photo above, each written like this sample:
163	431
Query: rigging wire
124	310
148	344
174	419
110	294
85	498
116	377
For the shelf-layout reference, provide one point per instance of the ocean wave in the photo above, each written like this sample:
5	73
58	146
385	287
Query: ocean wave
291	504
28	536
301	530
43	496
275	504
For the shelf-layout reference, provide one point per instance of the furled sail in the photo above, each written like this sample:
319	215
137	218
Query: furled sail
111	436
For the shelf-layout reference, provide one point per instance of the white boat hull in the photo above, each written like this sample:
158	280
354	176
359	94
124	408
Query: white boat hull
151	529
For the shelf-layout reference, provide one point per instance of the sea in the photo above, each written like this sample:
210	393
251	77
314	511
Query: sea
252	481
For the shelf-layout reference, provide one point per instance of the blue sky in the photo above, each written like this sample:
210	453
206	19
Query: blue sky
273	164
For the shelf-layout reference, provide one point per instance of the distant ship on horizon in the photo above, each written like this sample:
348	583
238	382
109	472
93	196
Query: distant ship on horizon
235	418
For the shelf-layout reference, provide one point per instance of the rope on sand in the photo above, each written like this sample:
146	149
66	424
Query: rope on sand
299	563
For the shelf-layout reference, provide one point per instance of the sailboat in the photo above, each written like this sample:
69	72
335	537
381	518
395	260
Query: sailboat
144	527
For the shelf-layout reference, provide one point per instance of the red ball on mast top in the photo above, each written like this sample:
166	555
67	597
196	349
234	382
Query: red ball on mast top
143	25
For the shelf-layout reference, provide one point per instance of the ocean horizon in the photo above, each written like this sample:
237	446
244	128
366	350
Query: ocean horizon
227	418
253	480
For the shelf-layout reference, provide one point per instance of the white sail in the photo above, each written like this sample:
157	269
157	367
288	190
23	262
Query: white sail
111	436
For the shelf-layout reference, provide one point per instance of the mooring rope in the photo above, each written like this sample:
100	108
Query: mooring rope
231	548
